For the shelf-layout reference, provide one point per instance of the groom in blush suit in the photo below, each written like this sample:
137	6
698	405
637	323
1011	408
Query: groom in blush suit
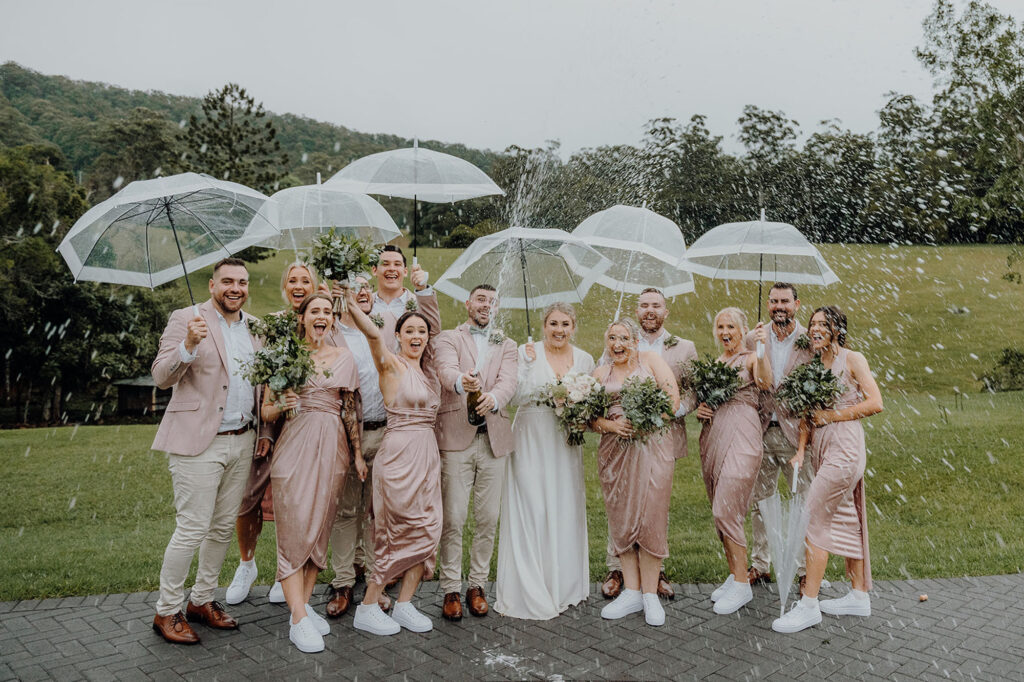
209	435
472	456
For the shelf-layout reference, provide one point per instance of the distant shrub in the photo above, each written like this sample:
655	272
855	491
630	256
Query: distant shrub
1008	373
464	235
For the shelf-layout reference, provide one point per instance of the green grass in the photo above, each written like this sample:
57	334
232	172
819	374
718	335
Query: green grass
88	510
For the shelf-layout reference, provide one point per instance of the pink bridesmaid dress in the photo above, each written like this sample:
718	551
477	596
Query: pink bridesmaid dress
835	501
730	454
407	482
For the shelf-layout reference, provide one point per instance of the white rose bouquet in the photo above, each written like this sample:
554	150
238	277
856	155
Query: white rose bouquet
577	399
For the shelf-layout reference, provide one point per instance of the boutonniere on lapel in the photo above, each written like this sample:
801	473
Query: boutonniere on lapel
803	342
377	319
411	305
671	342
496	338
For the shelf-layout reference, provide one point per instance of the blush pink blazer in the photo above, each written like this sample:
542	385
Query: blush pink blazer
454	355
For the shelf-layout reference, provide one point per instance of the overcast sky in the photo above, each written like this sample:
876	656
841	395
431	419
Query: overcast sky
490	74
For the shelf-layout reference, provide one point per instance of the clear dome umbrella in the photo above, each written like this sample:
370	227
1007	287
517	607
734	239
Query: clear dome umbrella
759	251
154	231
529	267
417	174
644	248
301	213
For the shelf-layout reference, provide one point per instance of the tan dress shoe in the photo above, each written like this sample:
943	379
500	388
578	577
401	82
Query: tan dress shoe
612	585
212	614
756	575
175	629
665	587
452	609
339	600
476	602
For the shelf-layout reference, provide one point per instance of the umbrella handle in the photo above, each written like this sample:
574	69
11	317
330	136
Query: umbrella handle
796	476
760	350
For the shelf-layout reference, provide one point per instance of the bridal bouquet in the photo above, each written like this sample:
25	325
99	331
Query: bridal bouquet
577	400
809	387
713	382
647	407
340	257
284	361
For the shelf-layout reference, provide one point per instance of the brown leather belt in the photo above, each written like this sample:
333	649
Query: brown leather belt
236	432
373	426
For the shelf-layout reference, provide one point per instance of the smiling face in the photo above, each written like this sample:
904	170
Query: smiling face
413	337
298	285
619	343
558	329
390	273
819	332
364	297
782	306
651	311
479	307
728	332
317	319
229	289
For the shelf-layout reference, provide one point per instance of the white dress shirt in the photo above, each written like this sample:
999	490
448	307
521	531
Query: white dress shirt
397	306
780	350
369	380
238	408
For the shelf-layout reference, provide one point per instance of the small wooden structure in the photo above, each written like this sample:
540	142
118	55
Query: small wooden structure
141	396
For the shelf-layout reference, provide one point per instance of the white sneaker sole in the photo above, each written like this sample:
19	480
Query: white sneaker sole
617	614
790	629
845	610
724	609
720	592
374	630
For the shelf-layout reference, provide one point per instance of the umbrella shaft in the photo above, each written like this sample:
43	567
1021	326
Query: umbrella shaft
174	231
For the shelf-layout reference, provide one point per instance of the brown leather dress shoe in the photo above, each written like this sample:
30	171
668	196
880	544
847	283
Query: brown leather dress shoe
803	584
213	614
339	600
756	576
452	609
665	587
360	572
175	629
612	585
476	602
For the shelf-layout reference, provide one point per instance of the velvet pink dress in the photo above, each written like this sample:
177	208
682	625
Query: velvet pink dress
730	454
307	472
407	482
835	505
636	479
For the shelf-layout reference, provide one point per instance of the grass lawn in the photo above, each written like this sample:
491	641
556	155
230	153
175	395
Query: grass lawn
87	510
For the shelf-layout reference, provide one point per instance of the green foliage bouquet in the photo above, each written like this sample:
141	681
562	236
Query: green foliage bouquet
577	400
809	387
284	361
713	382
647	407
341	257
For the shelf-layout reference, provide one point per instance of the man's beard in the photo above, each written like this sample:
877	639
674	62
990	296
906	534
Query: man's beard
786	320
651	325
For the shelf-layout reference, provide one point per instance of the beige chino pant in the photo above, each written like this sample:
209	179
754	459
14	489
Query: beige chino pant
777	453
208	491
352	531
474	470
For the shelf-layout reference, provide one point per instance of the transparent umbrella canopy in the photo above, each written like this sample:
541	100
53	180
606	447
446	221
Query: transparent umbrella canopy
785	523
644	248
758	251
302	213
417	174
154	231
529	267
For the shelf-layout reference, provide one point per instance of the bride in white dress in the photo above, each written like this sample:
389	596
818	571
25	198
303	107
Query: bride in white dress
543	556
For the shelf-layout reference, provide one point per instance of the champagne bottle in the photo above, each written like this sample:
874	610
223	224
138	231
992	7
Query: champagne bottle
472	400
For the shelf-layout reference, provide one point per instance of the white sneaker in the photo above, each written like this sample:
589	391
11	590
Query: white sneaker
855	603
322	626
722	589
735	597
406	615
245	576
370	618
628	601
803	615
276	595
654	612
305	637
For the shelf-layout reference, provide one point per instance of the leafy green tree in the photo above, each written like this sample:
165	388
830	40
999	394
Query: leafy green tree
234	140
139	146
774	175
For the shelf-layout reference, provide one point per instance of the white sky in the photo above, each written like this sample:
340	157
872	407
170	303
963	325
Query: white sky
490	74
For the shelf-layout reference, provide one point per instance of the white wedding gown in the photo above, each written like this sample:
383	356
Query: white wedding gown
543	557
